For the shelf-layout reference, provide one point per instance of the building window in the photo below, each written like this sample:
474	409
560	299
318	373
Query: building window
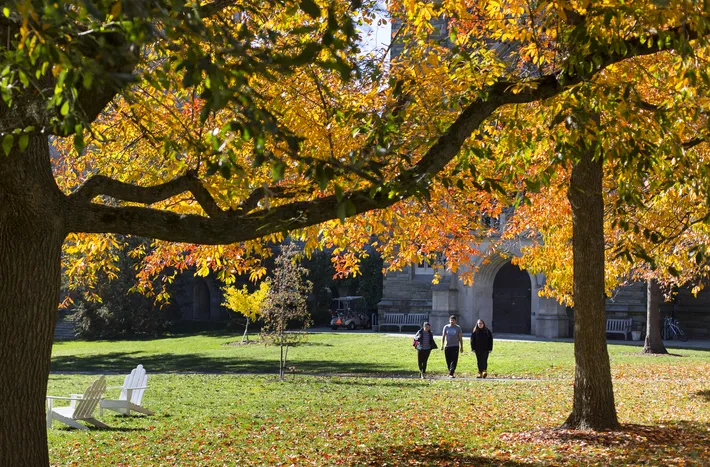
429	267
423	269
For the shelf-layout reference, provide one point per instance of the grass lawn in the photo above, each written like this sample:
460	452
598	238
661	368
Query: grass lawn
374	412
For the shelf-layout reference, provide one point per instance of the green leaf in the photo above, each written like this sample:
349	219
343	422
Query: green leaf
24	79
24	141
341	212
277	171
87	79
6	12
79	143
7	144
350	208
323	177
310	7
65	109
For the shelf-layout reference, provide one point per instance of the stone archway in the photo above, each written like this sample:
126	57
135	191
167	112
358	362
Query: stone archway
544	317
512	300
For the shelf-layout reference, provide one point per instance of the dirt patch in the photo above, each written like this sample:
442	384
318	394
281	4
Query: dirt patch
244	343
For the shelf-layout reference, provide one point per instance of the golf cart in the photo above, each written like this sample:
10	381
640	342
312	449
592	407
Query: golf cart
350	313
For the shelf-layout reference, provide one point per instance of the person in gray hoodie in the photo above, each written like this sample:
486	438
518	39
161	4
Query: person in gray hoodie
451	344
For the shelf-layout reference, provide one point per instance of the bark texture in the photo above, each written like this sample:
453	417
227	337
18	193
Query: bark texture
31	236
653	343
593	406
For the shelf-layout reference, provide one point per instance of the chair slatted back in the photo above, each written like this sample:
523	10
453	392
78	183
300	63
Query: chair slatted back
137	379
85	407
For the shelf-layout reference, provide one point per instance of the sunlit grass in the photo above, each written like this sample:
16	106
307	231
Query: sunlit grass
382	415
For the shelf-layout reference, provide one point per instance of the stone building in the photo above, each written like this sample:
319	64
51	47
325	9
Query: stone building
502	295
507	299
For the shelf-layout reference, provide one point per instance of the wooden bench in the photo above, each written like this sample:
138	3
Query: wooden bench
403	319
619	326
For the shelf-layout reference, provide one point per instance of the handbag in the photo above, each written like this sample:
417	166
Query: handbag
415	343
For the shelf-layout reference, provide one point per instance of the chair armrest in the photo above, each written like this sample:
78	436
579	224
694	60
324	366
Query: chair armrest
137	387
51	399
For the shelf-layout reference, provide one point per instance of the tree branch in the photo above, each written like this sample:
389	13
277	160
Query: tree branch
241	225
691	143
257	195
101	185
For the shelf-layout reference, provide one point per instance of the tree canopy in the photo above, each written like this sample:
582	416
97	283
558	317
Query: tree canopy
233	122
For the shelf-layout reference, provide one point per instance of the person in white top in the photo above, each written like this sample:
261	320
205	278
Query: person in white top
452	344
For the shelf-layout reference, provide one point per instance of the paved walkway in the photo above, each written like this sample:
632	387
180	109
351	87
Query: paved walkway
699	344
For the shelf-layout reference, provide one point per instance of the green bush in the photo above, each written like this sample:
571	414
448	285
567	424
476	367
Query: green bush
121	313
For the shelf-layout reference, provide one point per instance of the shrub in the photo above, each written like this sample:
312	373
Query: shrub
120	312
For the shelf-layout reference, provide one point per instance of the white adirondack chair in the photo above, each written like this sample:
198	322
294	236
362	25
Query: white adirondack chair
81	408
131	395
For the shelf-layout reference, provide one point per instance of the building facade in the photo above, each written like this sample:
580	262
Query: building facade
507	299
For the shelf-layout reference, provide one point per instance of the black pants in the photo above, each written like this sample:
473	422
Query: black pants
482	360
423	356
452	358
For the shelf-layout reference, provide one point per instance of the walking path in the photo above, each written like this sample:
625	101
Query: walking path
696	344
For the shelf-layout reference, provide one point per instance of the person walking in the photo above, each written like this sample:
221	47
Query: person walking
482	345
426	343
451	344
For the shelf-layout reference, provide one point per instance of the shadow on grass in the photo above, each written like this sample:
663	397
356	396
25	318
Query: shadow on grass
432	454
704	394
123	362
123	429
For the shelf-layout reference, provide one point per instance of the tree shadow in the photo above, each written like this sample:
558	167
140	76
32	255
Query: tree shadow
124	362
704	394
125	429
430	454
668	354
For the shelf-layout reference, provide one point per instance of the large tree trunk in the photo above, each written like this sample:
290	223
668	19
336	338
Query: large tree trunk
593	406
31	236
653	343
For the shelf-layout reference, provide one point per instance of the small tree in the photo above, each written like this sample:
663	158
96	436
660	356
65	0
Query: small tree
247	304
286	304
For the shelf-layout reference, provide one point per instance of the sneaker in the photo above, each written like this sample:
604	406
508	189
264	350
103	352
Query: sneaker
421	374
484	374
452	376
479	375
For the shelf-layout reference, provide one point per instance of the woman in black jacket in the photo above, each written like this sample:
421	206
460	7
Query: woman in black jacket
482	345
